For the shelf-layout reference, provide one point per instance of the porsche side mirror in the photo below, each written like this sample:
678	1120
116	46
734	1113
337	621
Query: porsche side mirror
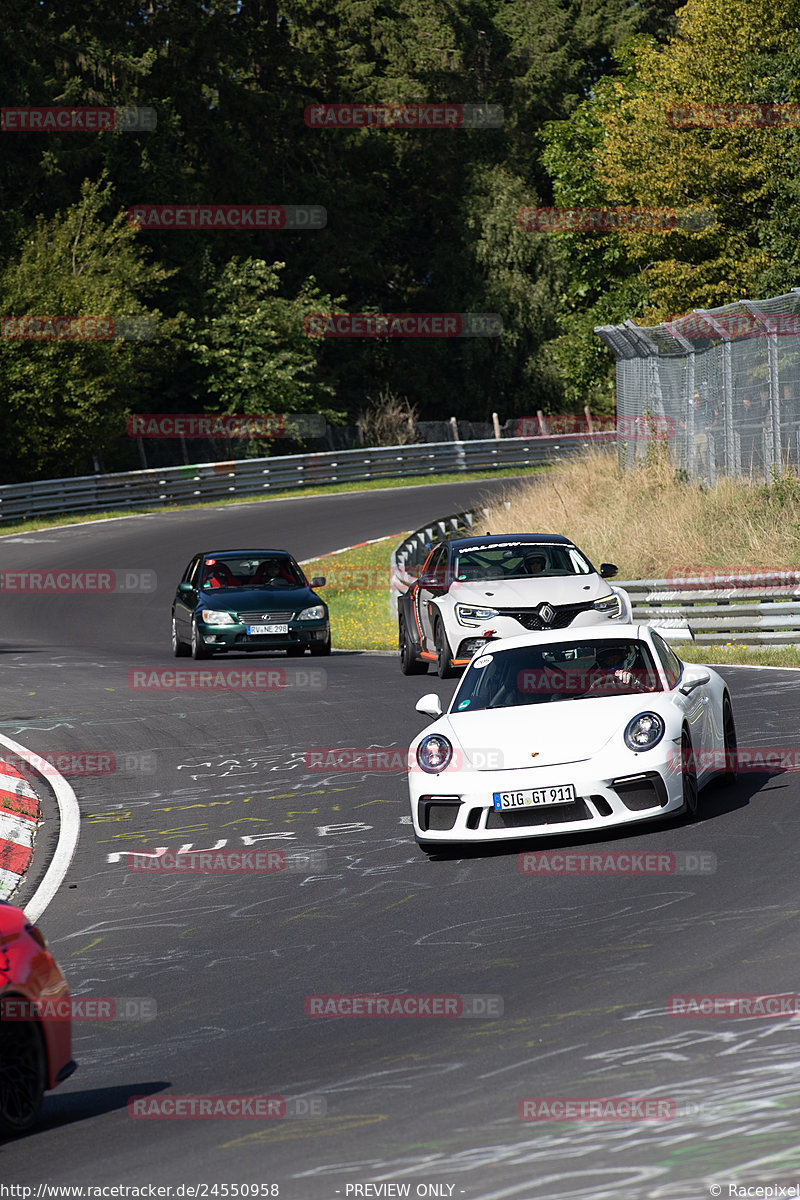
608	570
318	581
185	589
430	705
693	679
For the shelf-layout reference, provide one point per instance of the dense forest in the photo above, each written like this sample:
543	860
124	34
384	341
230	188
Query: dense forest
419	220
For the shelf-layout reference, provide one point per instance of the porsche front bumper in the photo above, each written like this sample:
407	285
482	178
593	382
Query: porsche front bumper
458	806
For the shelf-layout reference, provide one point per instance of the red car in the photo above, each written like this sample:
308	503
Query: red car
35	1051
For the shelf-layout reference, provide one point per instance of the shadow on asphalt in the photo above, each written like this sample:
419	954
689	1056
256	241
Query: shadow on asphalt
59	1110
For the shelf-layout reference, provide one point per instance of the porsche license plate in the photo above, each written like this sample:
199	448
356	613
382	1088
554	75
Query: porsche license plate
535	798
257	629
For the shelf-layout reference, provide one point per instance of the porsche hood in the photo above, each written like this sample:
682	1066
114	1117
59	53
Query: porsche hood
543	735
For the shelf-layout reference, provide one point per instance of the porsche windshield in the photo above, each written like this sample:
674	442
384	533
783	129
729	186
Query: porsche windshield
557	671
519	560
267	571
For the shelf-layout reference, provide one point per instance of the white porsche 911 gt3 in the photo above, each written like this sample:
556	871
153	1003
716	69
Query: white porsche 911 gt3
563	732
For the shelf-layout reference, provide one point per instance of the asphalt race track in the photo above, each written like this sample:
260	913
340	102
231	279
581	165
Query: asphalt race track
583	965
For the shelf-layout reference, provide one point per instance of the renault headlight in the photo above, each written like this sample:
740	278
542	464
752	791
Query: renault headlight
467	614
434	753
610	605
644	731
210	616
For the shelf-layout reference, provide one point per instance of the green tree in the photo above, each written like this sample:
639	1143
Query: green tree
65	400
252	345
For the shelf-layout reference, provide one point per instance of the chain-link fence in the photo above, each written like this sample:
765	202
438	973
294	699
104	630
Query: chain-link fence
721	386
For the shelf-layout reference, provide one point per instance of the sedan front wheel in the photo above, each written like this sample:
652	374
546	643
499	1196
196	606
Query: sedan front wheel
199	650
179	648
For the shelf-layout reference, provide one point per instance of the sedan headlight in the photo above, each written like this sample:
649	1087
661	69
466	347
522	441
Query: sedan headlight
316	613
644	731
467	614
434	753
611	605
210	616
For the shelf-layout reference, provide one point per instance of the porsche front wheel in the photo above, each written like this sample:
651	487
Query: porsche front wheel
689	775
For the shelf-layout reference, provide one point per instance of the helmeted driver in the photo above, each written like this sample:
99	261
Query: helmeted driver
612	670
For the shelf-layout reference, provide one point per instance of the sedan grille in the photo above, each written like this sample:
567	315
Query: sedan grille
262	618
563	615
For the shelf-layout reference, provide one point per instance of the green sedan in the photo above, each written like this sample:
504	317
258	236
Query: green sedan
248	601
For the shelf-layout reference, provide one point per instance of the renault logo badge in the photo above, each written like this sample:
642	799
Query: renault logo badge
547	612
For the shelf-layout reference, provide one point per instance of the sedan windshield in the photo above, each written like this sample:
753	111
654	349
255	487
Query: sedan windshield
555	672
269	571
519	560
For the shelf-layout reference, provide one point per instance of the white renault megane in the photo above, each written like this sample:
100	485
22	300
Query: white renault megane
563	732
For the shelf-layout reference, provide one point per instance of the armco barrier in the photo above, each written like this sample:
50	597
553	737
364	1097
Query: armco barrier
754	613
744	609
19	820
260	476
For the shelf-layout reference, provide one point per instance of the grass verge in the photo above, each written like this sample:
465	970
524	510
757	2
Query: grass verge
357	594
368	485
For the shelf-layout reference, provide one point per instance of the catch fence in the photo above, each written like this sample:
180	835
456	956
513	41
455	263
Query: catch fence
720	386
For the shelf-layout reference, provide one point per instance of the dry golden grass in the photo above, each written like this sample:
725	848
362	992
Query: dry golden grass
650	523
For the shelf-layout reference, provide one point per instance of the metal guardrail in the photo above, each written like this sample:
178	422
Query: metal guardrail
260	476
745	609
413	550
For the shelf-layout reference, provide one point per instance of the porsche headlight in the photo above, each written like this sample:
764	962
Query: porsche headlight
210	616
467	614
315	613
644	731
434	753
611	605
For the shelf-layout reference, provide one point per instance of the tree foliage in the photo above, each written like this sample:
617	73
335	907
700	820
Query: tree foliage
418	221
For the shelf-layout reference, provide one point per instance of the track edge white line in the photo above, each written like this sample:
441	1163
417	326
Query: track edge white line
68	833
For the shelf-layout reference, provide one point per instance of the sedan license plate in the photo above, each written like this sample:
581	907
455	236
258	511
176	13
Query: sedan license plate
535	798
256	629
